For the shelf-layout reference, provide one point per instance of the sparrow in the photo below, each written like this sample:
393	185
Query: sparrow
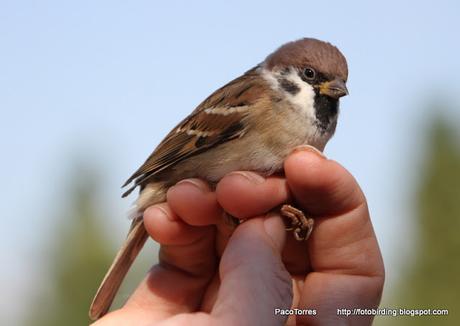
252	123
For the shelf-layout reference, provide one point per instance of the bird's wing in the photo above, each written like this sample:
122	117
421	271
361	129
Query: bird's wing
218	119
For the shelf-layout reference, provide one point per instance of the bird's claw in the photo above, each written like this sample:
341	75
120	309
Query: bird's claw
297	222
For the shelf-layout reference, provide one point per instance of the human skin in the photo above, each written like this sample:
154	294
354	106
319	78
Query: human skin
208	274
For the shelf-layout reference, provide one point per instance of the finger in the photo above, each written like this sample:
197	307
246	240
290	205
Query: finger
195	202
321	185
325	189
254	280
245	194
187	263
344	253
167	228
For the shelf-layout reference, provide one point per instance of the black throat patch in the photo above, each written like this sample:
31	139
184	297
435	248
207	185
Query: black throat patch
326	110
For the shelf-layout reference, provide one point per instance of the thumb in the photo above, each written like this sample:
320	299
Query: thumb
254	281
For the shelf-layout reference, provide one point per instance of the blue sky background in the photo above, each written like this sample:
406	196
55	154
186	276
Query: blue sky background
104	81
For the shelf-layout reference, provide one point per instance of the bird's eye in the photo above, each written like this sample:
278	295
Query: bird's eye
309	73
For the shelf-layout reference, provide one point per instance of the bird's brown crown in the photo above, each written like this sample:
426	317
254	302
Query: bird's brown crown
309	52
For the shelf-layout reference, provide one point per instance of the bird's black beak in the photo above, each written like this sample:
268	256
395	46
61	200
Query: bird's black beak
335	88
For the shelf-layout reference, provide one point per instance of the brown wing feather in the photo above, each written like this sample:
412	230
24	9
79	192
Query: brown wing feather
219	118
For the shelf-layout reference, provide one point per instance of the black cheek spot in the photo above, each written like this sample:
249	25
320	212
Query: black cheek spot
289	86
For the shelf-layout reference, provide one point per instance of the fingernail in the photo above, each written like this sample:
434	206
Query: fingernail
193	182
308	148
250	176
162	211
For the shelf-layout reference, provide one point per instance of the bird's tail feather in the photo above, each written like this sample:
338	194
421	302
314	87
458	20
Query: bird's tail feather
152	194
133	244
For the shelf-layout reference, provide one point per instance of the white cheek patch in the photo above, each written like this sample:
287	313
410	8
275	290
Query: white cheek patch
303	100
301	124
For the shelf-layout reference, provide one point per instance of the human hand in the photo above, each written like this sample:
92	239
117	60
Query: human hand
340	266
239	286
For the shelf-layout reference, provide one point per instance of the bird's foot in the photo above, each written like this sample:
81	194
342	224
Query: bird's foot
297	222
